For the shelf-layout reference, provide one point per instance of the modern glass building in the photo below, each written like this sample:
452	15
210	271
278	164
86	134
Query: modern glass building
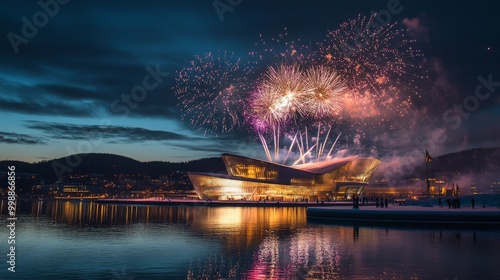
254	179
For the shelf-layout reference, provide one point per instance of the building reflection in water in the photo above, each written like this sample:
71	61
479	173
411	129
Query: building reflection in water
310	253
278	243
259	242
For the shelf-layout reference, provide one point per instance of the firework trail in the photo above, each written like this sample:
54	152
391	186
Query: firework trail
312	144
290	97
211	92
322	101
277	101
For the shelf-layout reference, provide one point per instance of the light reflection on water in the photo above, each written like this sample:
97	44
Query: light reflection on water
80	240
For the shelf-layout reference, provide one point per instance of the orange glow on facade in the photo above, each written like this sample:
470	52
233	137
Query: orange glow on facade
252	179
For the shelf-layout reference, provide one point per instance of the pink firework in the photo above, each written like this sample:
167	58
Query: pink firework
371	56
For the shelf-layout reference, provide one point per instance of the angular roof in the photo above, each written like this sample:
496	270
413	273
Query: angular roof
313	168
325	166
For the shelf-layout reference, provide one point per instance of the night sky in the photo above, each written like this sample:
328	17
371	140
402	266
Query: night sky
61	89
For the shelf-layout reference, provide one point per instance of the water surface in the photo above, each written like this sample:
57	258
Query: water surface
81	240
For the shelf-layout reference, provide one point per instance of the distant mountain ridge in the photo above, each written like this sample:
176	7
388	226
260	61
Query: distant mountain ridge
110	164
478	160
469	161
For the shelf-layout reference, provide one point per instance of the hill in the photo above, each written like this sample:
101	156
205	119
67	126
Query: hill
470	161
477	161
110	164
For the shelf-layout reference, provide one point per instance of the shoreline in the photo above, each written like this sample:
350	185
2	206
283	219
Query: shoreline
340	212
219	203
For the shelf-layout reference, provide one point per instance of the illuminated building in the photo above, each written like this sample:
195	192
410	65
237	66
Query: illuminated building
253	179
75	189
439	187
473	189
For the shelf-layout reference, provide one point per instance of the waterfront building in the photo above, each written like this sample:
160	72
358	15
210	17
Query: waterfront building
254	179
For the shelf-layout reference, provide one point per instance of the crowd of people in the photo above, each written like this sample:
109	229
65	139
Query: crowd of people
379	201
454	203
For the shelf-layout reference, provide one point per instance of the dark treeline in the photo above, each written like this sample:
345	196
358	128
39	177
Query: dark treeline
110	164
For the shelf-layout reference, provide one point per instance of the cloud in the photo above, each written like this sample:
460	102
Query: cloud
417	28
44	107
226	143
59	99
108	133
16	138
66	92
56	100
90	54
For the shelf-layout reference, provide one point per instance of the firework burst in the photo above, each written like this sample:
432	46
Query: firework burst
296	99
210	92
279	50
370	56
263	110
287	84
288	95
323	99
277	99
379	66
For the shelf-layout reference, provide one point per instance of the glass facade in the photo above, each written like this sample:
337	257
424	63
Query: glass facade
250	168
252	179
210	186
356	171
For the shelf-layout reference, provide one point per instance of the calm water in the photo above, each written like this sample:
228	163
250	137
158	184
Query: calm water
75	240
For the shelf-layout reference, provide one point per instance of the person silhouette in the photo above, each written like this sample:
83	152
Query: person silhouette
355	202
472	202
355	232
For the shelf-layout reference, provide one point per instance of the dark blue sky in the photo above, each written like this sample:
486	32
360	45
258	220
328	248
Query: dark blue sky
61	85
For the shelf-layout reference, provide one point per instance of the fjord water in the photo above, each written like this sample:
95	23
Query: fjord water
86	240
